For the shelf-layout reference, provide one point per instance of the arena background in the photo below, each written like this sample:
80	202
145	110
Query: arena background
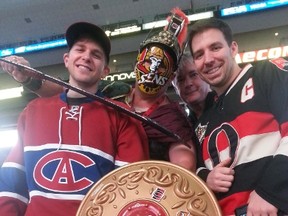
260	34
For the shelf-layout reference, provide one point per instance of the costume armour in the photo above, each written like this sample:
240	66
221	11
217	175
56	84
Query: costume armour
249	123
172	117
63	150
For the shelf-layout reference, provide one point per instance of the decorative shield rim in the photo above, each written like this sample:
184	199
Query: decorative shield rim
157	187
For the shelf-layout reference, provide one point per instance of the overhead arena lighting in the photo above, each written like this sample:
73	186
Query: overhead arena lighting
199	16
11	93
125	30
127	27
8	138
192	17
155	24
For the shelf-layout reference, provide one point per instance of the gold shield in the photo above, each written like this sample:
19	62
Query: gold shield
149	188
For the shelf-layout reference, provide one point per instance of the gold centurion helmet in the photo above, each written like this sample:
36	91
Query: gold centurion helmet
172	37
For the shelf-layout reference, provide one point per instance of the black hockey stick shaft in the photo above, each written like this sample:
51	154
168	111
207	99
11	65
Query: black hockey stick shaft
40	75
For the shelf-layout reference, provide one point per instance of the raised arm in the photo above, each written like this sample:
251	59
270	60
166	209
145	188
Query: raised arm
41	88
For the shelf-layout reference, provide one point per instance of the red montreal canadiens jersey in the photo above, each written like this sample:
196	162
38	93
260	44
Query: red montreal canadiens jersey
249	123
62	151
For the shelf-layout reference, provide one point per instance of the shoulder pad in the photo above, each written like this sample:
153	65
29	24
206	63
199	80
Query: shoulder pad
115	89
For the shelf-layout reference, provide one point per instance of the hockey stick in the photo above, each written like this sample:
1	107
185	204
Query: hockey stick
40	75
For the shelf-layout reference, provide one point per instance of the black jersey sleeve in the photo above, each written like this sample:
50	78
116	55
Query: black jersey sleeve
273	76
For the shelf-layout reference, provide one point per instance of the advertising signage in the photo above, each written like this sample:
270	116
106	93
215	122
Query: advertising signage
263	54
33	47
127	76
243	57
248	8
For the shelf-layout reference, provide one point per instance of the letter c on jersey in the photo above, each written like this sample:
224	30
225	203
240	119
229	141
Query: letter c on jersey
59	174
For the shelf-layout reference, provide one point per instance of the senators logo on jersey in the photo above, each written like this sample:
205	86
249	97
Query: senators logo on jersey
221	145
63	171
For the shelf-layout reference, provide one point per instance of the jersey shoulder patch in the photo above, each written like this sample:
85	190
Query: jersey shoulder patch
281	63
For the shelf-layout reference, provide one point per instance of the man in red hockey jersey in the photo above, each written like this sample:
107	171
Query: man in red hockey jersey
155	69
67	142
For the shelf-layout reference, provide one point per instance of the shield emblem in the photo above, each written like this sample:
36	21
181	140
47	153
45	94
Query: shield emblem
149	188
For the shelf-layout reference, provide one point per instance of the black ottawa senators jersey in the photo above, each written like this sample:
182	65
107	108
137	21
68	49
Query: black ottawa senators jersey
249	123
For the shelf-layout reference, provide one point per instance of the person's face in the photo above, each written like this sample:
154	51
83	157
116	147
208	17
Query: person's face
214	58
86	63
191	88
154	70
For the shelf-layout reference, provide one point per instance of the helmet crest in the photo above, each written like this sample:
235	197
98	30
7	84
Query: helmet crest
172	37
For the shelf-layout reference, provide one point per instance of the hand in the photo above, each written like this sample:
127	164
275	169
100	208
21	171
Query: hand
258	206
221	177
13	71
182	155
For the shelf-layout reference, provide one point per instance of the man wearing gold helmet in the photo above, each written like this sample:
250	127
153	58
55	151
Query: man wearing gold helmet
155	69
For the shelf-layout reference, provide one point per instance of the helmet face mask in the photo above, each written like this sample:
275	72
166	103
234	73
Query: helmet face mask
160	54
154	70
167	41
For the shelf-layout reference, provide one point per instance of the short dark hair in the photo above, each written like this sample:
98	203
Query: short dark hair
209	23
83	29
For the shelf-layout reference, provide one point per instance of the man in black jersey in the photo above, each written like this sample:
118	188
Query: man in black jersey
244	136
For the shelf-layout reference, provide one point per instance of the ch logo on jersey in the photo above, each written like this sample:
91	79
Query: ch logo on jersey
247	91
221	145
73	113
56	171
